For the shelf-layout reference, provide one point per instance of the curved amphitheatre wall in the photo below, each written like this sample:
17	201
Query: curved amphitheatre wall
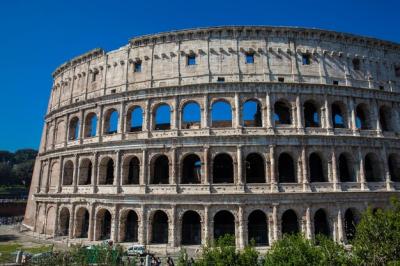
324	146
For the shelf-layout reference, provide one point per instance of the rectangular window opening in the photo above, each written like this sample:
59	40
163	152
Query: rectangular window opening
249	58
280	79
220	79
138	66
306	59
397	71
335	82
356	64
381	87
94	76
191	60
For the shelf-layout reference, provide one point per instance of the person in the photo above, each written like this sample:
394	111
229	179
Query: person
191	261
170	261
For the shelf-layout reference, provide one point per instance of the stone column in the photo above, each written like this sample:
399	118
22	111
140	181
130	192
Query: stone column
99	129
352	111
122	118
72	218
66	136
275	222
361	174
81	125
56	227
146	118
76	172
237	112
60	179
375	116
300	124
340	227
335	179
143	166
115	226
173	179
239	178
269	112
304	168
175	114
274	186
117	171
92	223
389	183
173	232
205	120
143	226
242	222
328	120
206	223
206	178
95	171
309	233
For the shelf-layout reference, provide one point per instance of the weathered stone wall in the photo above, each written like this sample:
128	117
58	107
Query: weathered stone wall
348	73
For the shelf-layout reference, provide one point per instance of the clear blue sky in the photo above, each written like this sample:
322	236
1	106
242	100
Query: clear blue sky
37	36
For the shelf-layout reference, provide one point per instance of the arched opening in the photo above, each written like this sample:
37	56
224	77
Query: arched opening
85	172
161	170
64	222
130	226
162	117
68	173
311	115
103	221
346	173
338	118
350	222
286	169
191	116
255	168
106	175
321	225
54	174
290	224
82	223
316	168
224	224
191	169
111	122
362	117
257	228
221	114
160	228
394	167
251	114
73	130
90	125
131	171
60	132
282	113
385	118
191	228
222	169
134	119
372	168
50	218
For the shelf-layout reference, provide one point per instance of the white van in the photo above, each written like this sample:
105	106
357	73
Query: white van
136	250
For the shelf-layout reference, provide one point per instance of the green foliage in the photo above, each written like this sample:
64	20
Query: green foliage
377	240
297	250
183	259
16	168
223	252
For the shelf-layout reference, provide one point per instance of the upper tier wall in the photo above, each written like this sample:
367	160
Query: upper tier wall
221	53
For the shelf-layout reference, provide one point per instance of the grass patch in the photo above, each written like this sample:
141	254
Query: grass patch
6	251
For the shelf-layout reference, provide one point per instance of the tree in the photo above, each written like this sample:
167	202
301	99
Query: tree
377	240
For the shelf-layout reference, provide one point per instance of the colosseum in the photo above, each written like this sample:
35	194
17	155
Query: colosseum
180	137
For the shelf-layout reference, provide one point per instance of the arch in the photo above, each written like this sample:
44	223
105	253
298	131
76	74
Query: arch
191	228
372	169
282	114
321	225
103	224
40	219
224	224
54	174
111	121
159	228
162	117
338	115
90	125
255	168
68	173
316	168
363	117
64	222
191	169
257	228
50	220
131	171
311	114
386	118
221	114
134	119
251	113
160	170
60	132
350	222
191	115
129	226
346	171
85	172
394	167
290	223
82	223
222	169
106	171
286	171
73	129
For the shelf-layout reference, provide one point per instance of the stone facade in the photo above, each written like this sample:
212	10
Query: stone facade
323	145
